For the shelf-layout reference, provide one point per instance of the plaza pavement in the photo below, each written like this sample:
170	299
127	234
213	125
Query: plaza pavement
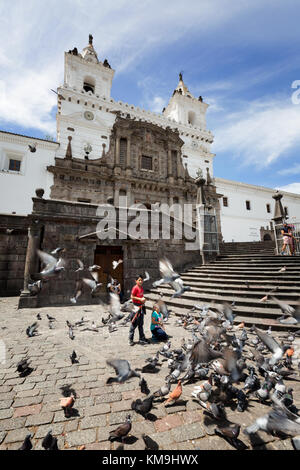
32	404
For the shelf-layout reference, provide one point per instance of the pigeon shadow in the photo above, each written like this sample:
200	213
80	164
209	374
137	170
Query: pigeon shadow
149	370
71	413
129	440
256	441
177	403
151	417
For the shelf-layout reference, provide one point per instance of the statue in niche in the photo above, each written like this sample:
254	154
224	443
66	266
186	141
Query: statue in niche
199	173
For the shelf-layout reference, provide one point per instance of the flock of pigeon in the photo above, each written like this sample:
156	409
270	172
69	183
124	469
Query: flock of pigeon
229	365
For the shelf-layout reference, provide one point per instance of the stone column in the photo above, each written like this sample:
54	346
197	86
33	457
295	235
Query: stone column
117	157
128	155
200	192
279	214
31	262
179	166
169	162
116	196
278	218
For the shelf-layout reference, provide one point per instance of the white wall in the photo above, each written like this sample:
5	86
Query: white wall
239	224
17	188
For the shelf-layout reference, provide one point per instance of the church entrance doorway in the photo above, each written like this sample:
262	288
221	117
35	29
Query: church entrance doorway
104	257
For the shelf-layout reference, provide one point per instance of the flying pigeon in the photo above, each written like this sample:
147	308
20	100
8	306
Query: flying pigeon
122	369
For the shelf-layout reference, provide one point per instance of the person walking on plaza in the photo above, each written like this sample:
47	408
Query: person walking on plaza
157	327
138	299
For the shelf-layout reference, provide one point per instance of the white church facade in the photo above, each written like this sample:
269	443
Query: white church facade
86	113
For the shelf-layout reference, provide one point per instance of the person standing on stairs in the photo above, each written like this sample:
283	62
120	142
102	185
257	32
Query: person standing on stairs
287	238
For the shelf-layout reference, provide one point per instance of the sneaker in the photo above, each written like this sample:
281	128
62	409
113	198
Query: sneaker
130	342
143	341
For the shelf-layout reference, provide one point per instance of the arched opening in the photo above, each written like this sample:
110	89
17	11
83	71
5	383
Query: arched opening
267	237
191	117
89	84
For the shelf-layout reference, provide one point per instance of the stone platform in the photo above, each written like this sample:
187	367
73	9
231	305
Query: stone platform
32	404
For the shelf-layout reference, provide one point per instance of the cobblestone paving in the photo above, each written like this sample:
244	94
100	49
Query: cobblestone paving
32	404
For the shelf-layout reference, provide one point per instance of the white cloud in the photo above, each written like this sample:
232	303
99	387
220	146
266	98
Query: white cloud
260	132
291	188
294	170
34	35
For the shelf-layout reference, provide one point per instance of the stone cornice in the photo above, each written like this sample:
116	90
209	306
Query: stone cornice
23	140
239	185
135	112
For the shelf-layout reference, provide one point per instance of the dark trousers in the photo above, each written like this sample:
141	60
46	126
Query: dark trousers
138	322
159	334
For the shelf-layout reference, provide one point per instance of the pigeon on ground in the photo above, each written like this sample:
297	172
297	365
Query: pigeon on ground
143	407
122	431
150	444
71	334
38	317
175	394
32	330
144	386
23	368
73	358
163	390
27	445
122	369
231	433
50	318
49	442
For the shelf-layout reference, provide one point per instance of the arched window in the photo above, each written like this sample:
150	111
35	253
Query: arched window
191	117
123	151
89	84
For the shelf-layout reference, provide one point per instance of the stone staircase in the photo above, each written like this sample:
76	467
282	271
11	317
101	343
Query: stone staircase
243	279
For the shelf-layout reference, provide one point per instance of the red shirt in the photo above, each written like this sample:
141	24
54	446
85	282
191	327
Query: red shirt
137	291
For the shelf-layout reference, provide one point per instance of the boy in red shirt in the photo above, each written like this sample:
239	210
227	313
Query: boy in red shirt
138	299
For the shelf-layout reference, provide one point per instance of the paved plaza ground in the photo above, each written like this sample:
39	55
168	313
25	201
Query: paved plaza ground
32	404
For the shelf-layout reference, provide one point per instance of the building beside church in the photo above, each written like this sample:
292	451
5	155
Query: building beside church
107	150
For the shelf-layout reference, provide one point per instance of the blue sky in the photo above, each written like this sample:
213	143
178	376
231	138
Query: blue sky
241	56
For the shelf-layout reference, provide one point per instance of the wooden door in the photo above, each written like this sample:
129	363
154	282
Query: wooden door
104	256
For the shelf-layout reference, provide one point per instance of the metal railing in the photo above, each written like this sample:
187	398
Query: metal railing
295	247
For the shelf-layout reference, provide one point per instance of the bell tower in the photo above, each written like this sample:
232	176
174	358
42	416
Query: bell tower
190	113
81	113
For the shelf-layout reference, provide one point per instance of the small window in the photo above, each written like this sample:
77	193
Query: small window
286	211
268	208
146	163
225	201
86	201
248	206
14	165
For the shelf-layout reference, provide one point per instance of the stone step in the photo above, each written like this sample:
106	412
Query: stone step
232	290
262	323
192	297
241	276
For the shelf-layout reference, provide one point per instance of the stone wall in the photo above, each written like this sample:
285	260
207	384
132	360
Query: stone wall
73	226
13	247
